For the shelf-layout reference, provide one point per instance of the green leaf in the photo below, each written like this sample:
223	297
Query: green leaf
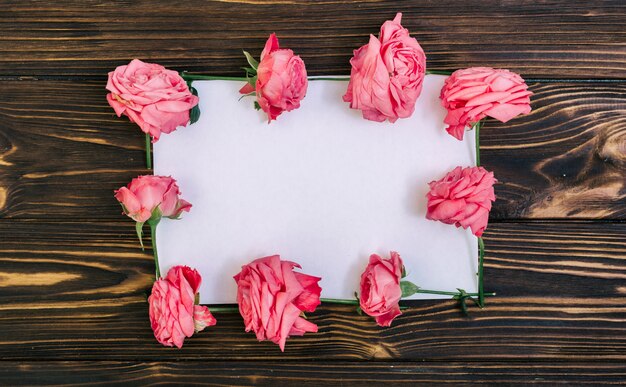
197	299
257	106
189	82
194	113
155	218
249	71
359	311
139	229
408	288
252	94
403	271
252	81
253	63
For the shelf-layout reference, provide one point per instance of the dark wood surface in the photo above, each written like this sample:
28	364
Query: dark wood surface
73	283
312	374
556	39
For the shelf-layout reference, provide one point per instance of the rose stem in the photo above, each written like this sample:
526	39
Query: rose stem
438	72
435	72
339	301
328	79
225	309
148	155
481	244
424	291
481	256
154	250
477	133
192	77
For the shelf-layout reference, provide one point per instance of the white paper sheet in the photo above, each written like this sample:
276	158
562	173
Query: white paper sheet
320	186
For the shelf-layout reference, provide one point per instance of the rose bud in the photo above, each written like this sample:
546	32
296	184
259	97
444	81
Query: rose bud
281	80
173	312
144	194
148	198
380	288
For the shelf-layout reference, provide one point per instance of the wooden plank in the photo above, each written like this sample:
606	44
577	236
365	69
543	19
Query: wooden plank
309	374
558	39
565	160
63	152
76	292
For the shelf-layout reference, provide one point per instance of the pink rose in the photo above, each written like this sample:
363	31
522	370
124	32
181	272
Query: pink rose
174	314
155	98
281	80
387	74
272	297
463	198
471	94
145	193
380	288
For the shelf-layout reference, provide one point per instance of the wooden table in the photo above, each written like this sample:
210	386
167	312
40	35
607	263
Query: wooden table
73	282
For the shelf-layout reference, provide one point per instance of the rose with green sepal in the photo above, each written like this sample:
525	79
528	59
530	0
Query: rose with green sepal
279	80
147	199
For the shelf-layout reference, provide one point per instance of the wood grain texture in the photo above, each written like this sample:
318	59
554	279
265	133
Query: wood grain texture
565	160
73	281
310	374
557	39
73	292
63	156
